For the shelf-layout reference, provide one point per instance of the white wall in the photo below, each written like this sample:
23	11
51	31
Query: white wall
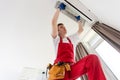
25	39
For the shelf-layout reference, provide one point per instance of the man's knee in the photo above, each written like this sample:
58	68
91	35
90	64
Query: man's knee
93	57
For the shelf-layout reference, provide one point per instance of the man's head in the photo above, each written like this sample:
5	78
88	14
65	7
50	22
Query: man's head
61	30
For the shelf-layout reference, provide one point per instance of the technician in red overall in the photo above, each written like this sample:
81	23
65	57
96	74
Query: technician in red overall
65	46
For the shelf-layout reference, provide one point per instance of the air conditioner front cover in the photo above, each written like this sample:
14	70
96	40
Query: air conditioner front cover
75	8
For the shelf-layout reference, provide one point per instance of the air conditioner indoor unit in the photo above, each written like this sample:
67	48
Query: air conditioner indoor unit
75	8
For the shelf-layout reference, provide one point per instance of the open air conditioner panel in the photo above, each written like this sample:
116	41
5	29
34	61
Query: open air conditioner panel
73	10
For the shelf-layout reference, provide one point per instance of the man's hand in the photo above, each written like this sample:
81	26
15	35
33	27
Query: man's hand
62	6
77	18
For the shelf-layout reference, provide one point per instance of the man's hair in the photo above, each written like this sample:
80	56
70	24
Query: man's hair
59	24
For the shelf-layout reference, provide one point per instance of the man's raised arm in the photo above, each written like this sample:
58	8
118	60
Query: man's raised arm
55	18
54	23
80	29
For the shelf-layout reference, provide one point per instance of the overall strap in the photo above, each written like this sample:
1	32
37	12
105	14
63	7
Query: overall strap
69	40
61	40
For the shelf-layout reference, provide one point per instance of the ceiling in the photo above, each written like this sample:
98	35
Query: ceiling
25	31
107	11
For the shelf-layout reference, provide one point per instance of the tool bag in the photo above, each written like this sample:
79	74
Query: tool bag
57	71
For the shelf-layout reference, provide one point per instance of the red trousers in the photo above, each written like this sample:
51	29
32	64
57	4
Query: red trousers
90	65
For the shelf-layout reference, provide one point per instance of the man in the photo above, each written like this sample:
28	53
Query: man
64	47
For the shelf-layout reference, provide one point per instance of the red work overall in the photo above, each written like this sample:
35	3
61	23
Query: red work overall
89	64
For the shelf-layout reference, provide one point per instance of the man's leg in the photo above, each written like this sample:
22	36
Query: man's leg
90	65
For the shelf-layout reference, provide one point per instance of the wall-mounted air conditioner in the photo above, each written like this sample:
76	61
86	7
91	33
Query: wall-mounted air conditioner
75	8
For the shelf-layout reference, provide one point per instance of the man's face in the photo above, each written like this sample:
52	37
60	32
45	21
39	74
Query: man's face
62	30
